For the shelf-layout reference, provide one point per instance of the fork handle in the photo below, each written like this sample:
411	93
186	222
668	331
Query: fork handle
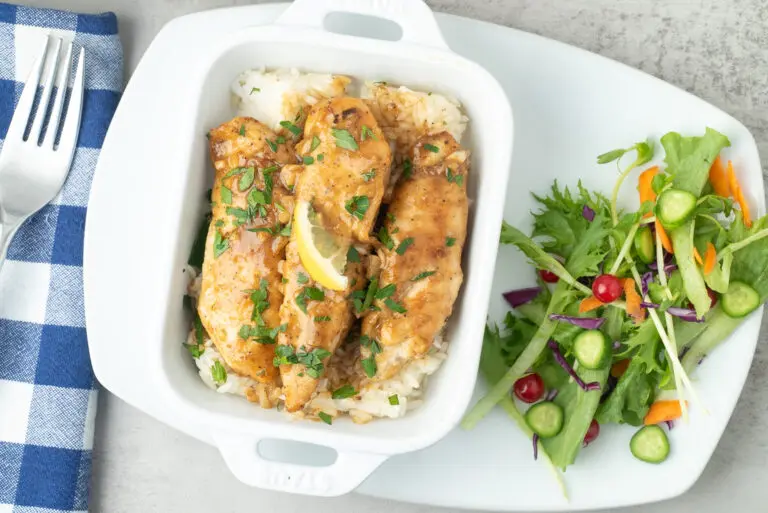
7	230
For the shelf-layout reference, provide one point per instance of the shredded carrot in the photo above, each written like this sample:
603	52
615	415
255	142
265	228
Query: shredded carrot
665	242
645	188
738	195
662	411
718	178
589	303
619	368
710	257
634	309
697	256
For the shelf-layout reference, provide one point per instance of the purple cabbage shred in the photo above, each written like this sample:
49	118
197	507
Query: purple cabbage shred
519	297
535	446
685	314
551	395
560	359
588	213
588	323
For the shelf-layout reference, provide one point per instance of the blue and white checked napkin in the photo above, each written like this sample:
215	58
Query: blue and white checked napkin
47	388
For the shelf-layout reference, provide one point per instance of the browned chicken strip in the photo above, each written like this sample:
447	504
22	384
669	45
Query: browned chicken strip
421	264
348	167
241	285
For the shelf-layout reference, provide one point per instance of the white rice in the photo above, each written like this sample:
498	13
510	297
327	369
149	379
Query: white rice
404	115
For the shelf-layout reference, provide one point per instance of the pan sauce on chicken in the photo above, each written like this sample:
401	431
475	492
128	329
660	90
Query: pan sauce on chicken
274	321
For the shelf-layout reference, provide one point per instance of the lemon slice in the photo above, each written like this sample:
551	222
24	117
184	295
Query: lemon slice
322	254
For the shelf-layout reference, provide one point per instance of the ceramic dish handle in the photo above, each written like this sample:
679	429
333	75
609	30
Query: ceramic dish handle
414	16
241	455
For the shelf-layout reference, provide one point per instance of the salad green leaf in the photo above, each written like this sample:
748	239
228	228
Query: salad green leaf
688	159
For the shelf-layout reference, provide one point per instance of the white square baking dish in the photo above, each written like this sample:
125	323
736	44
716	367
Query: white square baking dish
420	60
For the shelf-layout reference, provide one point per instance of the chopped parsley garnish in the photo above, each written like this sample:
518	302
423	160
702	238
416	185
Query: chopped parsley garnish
237	171
404	245
242	129
385	238
219	223
325	418
357	206
344	392
243	216
373	288
284	355
431	147
367	133
315	143
394	305
278	229
308	160
385	292
247	179
272	145
218	373
302	278
280	139
369	366
344	139
457	179
291	128
322	318
357	297
195	350
226	195
367	177
261	334
421	276
309	294
220	245
407	168
353	255
370	343
260	298
391	217
394	400
312	360
320	157
255	90
450	241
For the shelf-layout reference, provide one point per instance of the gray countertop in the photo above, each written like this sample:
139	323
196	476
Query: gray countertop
716	49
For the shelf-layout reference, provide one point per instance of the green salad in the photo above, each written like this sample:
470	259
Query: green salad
628	302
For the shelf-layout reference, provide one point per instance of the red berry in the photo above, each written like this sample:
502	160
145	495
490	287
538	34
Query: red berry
592	433
530	388
712	297
547	276
606	288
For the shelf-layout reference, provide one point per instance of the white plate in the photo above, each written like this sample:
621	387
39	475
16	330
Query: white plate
570	106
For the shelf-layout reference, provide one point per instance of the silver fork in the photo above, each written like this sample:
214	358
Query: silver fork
32	171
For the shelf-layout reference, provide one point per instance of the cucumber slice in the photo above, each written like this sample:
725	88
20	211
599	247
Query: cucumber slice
740	300
674	207
644	245
591	349
545	419
650	444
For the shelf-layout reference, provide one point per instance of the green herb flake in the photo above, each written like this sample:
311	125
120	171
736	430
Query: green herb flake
296	131
315	143
431	147
394	305
255	90
344	392
284	355
344	139
385	292
454	178
422	275
353	255
369	366
302	278
195	350
367	177
308	160
309	294
280	139
404	245
407	168
237	171
320	157
394	400
367	133
220	245
242	130
226	195
322	318
218	373
450	241
385	238
246	180
357	206
272	145
325	418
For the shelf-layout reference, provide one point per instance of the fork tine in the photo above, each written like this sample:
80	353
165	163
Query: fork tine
45	99
74	111
27	99
58	103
